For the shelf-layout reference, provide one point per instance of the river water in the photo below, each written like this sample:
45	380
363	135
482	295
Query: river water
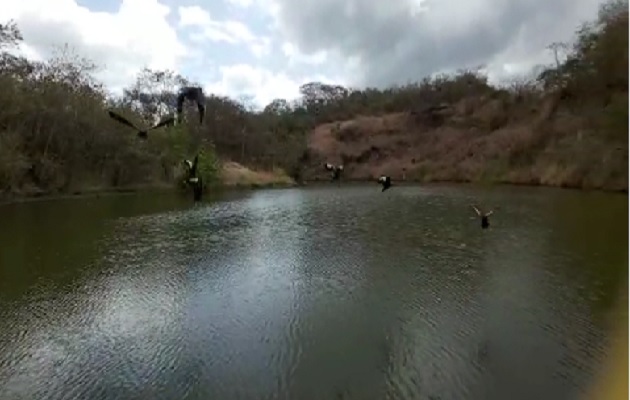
313	293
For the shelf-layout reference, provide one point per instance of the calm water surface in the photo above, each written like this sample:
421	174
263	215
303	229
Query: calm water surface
318	293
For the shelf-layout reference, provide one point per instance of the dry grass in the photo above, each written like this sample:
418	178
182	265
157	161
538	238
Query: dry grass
482	139
234	174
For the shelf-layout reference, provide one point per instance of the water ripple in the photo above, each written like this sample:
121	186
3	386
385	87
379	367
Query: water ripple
316	293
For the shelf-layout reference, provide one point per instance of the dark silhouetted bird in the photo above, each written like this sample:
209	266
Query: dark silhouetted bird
191	93
335	171
193	179
385	181
485	223
142	133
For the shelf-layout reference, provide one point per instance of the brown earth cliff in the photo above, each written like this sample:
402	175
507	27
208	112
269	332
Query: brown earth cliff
477	139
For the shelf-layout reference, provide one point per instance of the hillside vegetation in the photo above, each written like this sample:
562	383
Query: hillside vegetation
566	126
56	136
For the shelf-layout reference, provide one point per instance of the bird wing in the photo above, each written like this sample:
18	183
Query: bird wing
122	120
200	99
180	101
192	93
202	112
489	213
194	166
476	210
166	122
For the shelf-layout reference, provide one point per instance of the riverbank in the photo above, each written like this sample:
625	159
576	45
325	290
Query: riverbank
232	176
263	181
532	184
477	139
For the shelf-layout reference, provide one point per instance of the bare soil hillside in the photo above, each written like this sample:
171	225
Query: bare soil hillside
499	139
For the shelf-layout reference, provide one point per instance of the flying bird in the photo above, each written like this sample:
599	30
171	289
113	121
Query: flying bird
198	189
191	93
191	167
142	133
335	170
193	180
485	223
385	181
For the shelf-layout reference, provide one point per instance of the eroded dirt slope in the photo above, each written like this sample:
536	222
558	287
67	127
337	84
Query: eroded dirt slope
476	139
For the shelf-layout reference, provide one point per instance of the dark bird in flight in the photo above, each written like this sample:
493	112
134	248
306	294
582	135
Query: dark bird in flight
191	166
191	93
485	223
197	189
335	171
142	133
386	181
193	180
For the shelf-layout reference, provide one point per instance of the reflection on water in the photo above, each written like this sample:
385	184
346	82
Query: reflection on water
309	293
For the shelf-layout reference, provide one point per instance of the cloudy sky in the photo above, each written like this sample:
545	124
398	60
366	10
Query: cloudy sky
268	48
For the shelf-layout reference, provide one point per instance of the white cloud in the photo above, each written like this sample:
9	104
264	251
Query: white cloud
296	57
267	8
406	40
262	48
241	3
193	16
309	35
505	69
417	7
115	41
229	31
263	85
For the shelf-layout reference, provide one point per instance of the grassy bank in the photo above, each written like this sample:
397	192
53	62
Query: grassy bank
87	193
237	175
231	176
